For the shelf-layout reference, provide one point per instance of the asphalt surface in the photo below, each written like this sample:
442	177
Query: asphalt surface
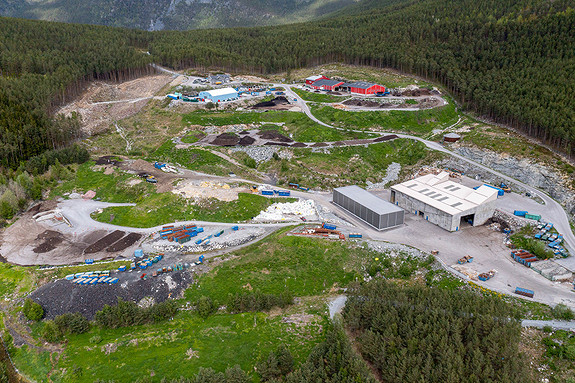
555	324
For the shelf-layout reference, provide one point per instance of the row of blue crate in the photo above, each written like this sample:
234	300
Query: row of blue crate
555	239
281	193
92	278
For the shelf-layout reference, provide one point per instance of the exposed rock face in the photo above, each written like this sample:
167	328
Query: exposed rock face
529	172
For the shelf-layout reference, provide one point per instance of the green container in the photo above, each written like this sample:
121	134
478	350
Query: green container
534	217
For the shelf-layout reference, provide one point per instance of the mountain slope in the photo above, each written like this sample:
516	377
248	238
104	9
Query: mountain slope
509	60
173	14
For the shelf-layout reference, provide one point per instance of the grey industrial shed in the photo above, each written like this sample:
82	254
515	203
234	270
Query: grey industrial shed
373	210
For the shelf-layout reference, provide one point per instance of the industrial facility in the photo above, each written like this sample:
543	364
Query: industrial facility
326	84
358	87
369	208
362	87
219	95
445	203
310	80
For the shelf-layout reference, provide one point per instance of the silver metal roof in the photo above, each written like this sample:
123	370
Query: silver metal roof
371	201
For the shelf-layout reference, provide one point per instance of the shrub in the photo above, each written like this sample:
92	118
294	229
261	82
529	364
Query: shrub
51	333
126	314
72	323
563	312
95	339
205	307
257	301
32	310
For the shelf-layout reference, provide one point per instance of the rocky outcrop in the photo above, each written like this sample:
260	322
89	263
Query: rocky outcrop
529	172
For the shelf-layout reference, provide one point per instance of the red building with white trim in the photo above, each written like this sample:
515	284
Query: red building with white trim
326	84
362	87
310	80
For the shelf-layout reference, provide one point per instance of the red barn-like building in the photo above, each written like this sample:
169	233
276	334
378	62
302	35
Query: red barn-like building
362	87
310	80
326	84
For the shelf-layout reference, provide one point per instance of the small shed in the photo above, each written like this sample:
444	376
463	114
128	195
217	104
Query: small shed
451	137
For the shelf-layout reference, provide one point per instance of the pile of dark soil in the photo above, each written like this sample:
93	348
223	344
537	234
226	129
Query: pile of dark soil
276	144
108	160
281	100
125	242
299	145
244	132
319	145
358	142
63	296
226	139
51	240
104	242
338	143
416	92
363	103
273	135
386	138
247	141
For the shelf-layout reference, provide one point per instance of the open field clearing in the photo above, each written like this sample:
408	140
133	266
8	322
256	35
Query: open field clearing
419	123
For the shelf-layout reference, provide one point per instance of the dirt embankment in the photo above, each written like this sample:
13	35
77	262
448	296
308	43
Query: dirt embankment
103	103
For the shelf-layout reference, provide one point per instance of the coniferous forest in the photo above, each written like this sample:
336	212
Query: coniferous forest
511	61
421	334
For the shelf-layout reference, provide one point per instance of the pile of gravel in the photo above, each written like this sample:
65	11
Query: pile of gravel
63	296
258	153
391	175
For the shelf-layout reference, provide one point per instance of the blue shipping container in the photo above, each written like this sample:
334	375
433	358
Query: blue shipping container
520	213
235	228
267	192
329	226
500	192
284	193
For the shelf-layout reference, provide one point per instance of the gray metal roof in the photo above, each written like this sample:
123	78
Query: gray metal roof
369	200
325	82
452	135
359	84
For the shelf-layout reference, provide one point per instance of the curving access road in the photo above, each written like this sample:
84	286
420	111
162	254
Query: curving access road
553	208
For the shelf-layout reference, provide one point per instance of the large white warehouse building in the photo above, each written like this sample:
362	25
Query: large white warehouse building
219	95
445	203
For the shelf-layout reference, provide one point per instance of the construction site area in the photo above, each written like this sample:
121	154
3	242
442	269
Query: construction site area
466	224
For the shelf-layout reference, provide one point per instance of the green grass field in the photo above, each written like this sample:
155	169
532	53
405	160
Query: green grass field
418	122
159	209
345	165
108	187
200	160
15	280
180	347
318	97
297	124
